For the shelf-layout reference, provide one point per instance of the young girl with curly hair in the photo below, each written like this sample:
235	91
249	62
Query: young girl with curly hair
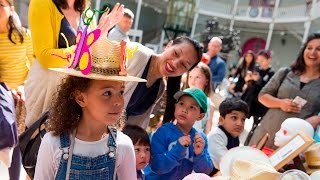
82	143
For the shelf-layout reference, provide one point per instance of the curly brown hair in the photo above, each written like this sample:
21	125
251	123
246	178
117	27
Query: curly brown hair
65	112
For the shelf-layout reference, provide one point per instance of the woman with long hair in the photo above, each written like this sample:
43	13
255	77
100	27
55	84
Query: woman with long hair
247	64
301	79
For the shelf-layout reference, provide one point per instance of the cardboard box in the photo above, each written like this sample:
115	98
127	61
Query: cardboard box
290	150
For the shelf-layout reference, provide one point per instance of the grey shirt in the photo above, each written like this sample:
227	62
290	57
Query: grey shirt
116	34
217	145
289	88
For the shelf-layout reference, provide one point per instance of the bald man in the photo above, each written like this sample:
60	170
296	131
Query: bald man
216	64
121	30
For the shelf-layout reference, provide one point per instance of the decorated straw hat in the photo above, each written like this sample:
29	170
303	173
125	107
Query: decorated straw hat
251	170
241	153
98	58
312	157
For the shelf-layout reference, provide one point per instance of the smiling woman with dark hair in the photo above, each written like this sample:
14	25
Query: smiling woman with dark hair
278	95
181	55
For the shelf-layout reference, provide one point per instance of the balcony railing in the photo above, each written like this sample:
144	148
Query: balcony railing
216	7
292	12
263	14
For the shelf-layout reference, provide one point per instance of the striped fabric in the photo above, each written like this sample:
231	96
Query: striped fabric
15	60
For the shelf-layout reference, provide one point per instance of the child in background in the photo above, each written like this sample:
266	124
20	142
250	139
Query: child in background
200	77
141	145
178	149
233	113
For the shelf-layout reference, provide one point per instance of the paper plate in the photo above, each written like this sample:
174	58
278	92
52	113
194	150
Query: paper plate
243	153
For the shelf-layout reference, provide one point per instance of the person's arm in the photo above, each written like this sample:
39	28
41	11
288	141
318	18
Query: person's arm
44	38
217	145
314	120
126	162
221	72
28	44
45	160
202	163
209	122
164	161
267	95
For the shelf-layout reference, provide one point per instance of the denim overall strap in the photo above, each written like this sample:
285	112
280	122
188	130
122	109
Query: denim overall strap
64	146
112	147
100	167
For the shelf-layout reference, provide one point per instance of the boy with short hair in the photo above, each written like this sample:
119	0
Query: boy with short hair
141	143
233	113
177	149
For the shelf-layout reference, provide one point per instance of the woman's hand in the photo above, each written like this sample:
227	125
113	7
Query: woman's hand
18	94
248	76
255	76
287	105
108	20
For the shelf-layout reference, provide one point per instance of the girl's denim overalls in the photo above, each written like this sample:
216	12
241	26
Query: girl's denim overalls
100	167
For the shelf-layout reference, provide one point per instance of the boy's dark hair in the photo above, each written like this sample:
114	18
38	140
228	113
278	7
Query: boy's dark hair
233	104
137	134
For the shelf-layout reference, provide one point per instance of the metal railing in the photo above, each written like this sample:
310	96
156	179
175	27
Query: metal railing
289	13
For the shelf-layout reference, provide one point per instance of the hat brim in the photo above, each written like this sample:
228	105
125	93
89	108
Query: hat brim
73	72
246	153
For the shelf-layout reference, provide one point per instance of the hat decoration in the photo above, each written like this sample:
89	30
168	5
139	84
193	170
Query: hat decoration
97	57
82	56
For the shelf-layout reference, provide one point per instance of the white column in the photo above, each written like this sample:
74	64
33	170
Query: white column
97	6
234	11
195	19
137	16
307	24
161	41
271	26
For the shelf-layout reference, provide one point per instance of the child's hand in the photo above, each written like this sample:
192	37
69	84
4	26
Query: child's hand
185	140
198	144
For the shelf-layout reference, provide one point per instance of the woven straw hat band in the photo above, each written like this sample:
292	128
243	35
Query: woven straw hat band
105	57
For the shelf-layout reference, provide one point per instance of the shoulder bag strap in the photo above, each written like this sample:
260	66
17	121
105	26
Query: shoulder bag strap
286	71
